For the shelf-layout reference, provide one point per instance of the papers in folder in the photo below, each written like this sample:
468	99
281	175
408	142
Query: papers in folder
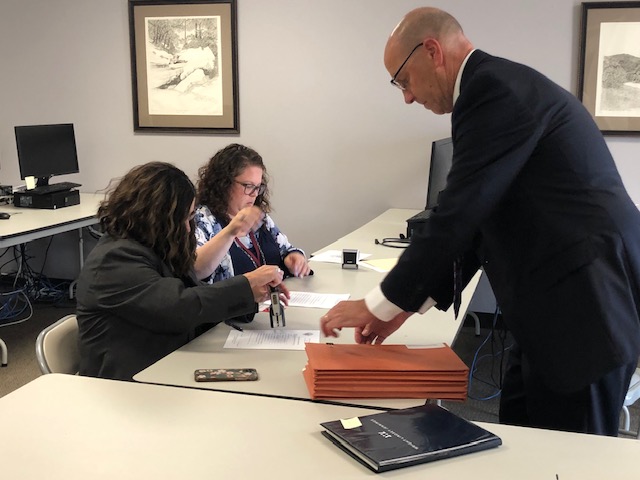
384	371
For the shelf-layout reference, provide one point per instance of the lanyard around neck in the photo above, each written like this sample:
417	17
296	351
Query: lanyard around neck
256	258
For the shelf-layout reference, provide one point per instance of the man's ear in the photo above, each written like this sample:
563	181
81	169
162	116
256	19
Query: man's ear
434	51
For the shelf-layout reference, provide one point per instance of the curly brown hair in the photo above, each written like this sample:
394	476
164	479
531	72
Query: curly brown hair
216	178
150	205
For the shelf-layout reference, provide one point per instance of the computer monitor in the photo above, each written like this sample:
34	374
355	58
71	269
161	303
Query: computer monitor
46	150
441	159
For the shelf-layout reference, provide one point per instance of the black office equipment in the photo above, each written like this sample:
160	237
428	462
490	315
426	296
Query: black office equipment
401	438
350	258
50	201
441	159
45	151
276	309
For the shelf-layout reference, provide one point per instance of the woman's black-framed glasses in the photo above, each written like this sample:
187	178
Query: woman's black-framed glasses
250	188
395	82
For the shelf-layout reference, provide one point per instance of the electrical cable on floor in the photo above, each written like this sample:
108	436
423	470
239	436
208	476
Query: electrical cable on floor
36	286
28	286
11	308
494	383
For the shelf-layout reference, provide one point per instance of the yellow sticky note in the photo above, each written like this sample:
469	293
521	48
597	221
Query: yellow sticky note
30	182
348	423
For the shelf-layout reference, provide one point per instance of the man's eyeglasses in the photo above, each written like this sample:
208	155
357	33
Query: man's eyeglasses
250	188
395	82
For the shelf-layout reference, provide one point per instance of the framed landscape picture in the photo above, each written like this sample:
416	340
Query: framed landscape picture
184	65
609	74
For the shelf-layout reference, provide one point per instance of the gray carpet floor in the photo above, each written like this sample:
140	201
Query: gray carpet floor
480	351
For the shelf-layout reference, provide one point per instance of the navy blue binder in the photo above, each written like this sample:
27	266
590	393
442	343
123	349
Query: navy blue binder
400	438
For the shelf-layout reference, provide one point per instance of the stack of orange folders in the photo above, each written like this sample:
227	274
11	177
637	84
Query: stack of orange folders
384	371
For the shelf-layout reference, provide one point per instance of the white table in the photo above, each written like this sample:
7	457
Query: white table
76	428
280	371
28	224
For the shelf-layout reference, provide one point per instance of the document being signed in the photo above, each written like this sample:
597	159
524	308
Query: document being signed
271	339
312	300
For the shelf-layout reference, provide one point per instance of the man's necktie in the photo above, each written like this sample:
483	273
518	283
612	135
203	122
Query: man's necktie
457	286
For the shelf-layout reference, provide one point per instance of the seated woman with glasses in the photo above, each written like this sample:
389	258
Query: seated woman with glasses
138	298
234	230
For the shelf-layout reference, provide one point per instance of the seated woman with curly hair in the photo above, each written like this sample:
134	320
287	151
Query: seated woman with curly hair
138	297
235	232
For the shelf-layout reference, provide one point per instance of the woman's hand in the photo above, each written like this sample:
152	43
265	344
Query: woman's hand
297	264
213	251
245	221
264	277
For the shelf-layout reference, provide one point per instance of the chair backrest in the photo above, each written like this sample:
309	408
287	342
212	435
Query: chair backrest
57	347
633	394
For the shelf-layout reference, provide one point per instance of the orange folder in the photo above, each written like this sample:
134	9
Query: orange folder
384	371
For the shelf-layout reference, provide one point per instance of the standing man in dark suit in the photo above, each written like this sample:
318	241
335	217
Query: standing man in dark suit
534	197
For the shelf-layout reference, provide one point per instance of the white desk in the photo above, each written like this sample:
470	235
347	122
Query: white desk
391	223
281	370
76	428
27	224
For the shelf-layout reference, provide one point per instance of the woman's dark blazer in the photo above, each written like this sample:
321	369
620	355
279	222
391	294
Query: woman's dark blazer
534	197
132	310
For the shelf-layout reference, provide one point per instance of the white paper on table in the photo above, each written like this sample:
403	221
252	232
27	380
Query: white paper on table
312	300
274	339
334	256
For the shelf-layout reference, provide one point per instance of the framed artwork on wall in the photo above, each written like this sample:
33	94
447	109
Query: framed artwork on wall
609	73
184	66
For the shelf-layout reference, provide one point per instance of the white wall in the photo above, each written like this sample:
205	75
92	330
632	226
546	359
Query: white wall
315	99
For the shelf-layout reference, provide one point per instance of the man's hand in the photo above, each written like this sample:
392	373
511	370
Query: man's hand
377	331
354	313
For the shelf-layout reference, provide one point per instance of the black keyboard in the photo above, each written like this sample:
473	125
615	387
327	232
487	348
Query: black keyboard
54	187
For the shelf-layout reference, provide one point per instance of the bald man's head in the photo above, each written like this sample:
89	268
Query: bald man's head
424	54
425	22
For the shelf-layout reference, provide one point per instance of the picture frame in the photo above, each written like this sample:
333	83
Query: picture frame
184	66
609	73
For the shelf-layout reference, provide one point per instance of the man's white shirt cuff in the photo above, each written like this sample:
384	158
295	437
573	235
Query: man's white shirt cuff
385	310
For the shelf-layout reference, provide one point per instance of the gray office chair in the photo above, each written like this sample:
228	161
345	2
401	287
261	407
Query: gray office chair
57	347
633	394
